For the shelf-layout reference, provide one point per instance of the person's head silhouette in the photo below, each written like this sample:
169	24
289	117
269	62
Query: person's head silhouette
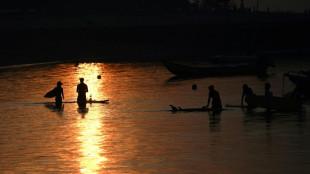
245	86
59	83
211	88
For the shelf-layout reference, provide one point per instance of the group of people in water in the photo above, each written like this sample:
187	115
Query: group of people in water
246	92
213	98
81	89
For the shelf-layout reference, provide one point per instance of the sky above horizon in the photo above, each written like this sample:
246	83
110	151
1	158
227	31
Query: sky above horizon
279	5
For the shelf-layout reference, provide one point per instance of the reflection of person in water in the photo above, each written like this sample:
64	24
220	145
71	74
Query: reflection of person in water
247	91
215	96
268	96
81	90
59	93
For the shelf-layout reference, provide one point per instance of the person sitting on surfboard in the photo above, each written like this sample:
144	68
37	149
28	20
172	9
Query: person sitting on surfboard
216	100
247	91
81	90
59	94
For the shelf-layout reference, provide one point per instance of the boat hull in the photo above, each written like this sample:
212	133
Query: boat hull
276	103
219	70
300	80
233	59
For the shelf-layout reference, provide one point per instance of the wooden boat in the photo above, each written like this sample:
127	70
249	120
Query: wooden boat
234	58
302	82
276	103
299	80
202	109
306	73
215	70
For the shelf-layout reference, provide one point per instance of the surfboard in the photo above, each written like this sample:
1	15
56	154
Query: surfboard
50	94
90	102
202	109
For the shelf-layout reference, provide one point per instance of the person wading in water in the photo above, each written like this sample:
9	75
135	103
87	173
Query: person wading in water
247	92
268	96
81	90
216	100
59	95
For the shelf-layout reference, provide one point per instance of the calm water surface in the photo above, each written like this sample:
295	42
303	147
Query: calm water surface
136	132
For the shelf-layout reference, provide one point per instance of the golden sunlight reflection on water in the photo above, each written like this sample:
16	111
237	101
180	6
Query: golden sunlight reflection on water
92	155
136	132
90	71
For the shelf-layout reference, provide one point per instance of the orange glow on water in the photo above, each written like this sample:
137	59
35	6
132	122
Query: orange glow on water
90	126
91	138
90	71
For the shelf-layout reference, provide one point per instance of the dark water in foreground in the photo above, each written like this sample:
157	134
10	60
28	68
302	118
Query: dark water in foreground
135	132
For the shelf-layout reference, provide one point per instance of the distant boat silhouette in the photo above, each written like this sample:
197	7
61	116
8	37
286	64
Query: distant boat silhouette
299	80
302	82
215	70
234	58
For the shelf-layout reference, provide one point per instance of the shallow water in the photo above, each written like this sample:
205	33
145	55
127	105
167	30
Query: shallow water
136	132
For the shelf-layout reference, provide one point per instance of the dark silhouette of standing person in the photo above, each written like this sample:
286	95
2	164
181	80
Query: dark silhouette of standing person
216	100
268	95
59	95
246	92
81	90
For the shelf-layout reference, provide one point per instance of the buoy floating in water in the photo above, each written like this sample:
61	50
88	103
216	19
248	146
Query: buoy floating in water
194	87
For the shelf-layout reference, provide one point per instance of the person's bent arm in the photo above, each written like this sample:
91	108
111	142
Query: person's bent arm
242	99
208	101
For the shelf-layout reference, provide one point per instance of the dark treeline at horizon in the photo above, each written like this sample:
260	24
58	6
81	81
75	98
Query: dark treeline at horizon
137	7
97	6
121	7
156	35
